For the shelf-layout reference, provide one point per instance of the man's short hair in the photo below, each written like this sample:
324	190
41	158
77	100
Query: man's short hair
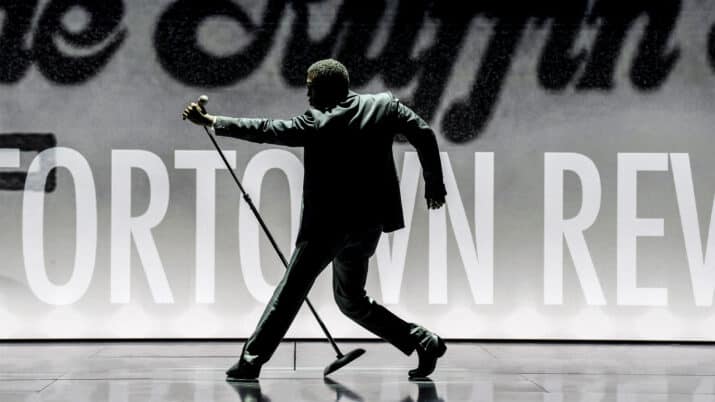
330	79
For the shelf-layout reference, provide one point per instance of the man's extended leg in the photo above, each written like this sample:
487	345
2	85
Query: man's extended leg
349	276
308	260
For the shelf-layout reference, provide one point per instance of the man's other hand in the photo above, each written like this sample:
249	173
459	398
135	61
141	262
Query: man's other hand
435	203
196	115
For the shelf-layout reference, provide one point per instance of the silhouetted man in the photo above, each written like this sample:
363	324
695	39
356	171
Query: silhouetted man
351	195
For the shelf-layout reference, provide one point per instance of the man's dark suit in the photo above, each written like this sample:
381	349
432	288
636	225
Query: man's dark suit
351	194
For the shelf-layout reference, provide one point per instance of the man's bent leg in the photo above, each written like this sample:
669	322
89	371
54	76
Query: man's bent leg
349	276
308	260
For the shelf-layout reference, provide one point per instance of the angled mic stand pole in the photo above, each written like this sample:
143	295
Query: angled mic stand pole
342	359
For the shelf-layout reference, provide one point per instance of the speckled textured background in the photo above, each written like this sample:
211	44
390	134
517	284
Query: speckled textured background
496	78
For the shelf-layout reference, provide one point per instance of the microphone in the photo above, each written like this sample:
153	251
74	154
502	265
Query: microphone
203	101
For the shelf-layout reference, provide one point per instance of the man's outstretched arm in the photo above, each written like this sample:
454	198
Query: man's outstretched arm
293	132
421	136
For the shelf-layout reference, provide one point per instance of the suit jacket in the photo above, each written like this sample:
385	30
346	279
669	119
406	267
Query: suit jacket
350	177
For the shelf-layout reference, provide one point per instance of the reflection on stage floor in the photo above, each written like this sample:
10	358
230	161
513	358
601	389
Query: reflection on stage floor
484	372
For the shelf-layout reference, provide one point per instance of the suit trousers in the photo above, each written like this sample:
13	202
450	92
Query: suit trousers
349	251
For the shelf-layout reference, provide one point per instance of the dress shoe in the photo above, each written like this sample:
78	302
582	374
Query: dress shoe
243	371
430	347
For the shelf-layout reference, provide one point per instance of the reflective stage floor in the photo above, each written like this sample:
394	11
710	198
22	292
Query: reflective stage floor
484	372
